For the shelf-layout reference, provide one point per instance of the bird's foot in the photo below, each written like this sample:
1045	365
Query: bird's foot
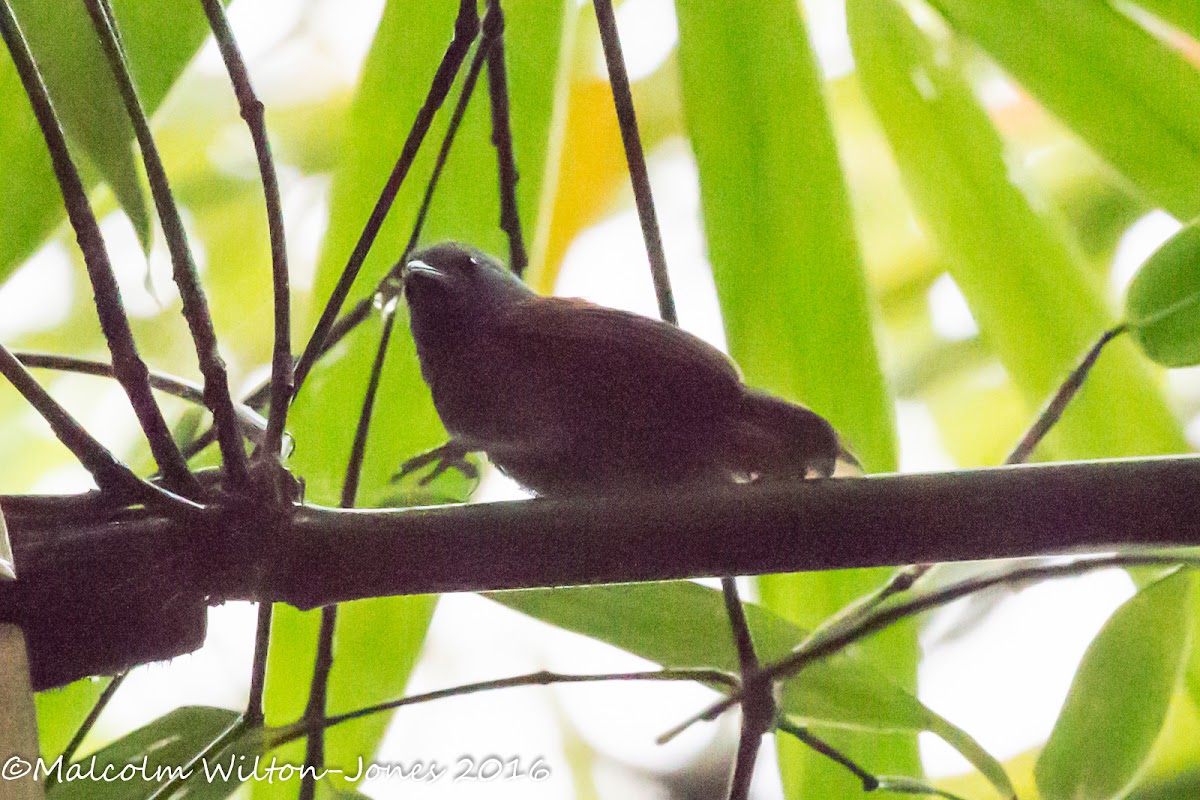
451	455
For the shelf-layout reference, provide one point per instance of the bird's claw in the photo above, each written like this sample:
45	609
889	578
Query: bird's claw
451	455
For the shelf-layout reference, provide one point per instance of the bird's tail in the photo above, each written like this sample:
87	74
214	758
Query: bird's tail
784	440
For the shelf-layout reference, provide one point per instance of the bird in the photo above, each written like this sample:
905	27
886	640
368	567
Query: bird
567	397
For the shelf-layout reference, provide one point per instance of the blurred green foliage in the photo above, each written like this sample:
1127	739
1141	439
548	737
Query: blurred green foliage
1163	302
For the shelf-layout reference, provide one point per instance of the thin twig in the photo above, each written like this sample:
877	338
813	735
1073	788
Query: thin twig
86	726
130	370
510	219
258	397
902	580
230	735
758	710
708	677
1058	404
905	578
348	322
195	306
109	473
635	158
747	658
758	714
870	782
359	448
466	28
791	665
460	110
318	690
255	713
341	329
252	423
251	109
318	693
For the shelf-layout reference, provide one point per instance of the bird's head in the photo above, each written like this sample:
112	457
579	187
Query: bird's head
454	280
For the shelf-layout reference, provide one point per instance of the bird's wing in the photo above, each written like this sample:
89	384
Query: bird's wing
608	363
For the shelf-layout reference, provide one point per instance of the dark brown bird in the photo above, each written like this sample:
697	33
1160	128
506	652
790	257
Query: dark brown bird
567	397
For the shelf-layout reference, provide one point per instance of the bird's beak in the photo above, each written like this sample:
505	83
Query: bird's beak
419	267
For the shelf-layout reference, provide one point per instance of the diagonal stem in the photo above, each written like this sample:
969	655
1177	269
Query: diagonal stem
510	219
1053	411
255	713
330	328
258	398
128	366
870	782
85	728
318	693
704	676
195	306
490	34
252	112
466	28
109	473
242	727
807	653
758	705
904	578
319	688
252	424
635	158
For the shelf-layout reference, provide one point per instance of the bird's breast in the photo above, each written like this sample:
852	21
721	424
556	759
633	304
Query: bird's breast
483	398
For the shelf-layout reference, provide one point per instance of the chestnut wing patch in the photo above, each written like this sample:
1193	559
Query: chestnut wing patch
590	368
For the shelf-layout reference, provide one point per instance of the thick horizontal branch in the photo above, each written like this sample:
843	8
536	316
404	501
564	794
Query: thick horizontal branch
1004	512
83	578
